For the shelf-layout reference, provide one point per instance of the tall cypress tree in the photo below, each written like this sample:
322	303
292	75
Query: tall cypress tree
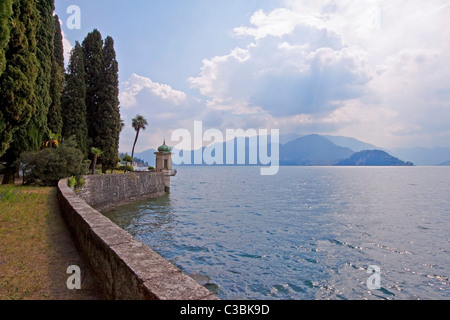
54	117
74	100
17	83
93	64
110	127
5	27
37	129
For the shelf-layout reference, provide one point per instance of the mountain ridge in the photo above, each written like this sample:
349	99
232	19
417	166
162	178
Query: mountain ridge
445	163
312	150
309	150
370	158
423	156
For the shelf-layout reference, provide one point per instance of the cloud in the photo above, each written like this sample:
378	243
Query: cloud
137	85
327	78
304	71
67	46
372	69
165	108
278	23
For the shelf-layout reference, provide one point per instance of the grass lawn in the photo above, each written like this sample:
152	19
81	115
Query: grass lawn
36	248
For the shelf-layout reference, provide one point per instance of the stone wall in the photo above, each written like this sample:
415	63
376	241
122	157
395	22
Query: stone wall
104	191
125	268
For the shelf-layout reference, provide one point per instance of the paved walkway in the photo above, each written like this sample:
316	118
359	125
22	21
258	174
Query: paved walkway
65	255
52	262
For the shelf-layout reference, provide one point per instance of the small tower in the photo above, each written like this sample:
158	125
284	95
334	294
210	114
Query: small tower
164	164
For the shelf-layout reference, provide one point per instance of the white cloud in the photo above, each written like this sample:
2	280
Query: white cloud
165	109
276	23
283	76
67	46
137	84
373	68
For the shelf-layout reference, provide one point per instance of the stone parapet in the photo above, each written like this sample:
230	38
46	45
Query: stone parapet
125	268
105	191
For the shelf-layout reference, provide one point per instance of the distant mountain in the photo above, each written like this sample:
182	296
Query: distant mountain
423	156
286	138
341	141
147	156
312	150
316	150
251	149
352	143
373	158
446	163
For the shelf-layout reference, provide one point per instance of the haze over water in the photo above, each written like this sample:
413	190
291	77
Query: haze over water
306	233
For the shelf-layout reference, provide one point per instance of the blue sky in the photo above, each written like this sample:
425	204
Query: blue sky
375	70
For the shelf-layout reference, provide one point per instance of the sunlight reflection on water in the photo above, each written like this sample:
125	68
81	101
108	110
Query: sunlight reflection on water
306	233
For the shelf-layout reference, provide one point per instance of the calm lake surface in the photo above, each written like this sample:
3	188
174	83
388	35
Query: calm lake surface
306	233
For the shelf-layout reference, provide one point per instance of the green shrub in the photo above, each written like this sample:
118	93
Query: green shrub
151	168
72	182
128	159
48	166
127	168
80	183
76	182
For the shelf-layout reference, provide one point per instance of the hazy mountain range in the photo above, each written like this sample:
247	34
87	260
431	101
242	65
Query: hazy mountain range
317	150
313	150
424	156
446	163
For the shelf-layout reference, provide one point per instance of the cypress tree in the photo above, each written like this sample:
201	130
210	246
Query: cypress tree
17	83
74	100
54	117
93	64
5	27
37	128
109	113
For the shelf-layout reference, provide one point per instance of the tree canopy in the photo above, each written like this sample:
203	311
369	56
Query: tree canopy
74	101
17	82
37	129
110	127
41	104
139	123
93	63
5	27
54	117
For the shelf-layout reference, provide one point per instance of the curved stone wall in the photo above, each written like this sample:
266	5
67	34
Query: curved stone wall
126	269
105	191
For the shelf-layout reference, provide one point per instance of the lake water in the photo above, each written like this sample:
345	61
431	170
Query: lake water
306	233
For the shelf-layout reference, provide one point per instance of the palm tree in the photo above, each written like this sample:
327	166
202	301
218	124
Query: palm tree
97	153
138	123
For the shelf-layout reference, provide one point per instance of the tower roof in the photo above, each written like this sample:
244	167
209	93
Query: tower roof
164	148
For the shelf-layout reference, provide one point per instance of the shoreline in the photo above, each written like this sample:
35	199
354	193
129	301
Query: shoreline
125	268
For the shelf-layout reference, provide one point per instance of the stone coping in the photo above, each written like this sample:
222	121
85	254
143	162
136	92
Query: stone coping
126	268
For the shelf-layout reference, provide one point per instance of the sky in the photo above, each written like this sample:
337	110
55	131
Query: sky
375	70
